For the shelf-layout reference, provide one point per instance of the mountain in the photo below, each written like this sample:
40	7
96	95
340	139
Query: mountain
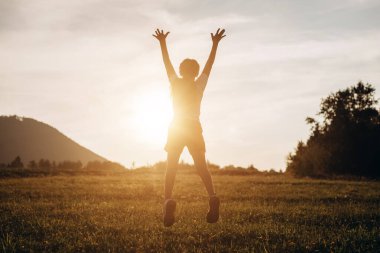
34	140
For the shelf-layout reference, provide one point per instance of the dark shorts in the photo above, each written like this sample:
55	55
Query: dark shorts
185	133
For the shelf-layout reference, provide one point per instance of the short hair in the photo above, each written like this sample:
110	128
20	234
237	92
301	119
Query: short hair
189	67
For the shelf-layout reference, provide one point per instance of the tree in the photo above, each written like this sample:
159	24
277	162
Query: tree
16	163
347	141
44	164
32	165
70	165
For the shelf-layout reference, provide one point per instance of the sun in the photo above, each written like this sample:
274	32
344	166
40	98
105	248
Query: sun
151	117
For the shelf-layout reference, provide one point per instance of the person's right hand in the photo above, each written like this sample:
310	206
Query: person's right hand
160	35
218	36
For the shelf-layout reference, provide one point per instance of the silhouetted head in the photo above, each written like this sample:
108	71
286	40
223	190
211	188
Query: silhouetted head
189	68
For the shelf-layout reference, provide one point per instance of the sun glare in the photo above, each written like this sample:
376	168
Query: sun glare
151	117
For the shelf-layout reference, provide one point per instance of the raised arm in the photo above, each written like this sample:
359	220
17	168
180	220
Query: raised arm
161	37
215	41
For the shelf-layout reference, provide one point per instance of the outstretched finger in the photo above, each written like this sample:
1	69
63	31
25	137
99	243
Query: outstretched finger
217	31
157	31
166	34
154	35
221	32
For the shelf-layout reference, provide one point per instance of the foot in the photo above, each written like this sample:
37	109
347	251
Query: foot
169	210
213	212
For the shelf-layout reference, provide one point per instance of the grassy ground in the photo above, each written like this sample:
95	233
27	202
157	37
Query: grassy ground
122	213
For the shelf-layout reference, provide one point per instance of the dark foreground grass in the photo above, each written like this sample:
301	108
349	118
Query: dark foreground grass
122	213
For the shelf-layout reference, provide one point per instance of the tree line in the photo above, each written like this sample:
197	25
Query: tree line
47	167
46	164
346	141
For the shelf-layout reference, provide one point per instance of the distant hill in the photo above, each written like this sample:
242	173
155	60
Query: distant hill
34	140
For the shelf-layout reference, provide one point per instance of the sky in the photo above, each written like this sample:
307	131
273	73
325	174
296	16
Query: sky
92	70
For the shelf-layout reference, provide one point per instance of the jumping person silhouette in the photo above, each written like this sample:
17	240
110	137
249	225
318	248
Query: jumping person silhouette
185	128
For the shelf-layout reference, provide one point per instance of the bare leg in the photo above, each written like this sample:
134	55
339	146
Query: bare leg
171	170
201	166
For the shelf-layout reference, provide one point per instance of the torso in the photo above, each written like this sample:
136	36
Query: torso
187	97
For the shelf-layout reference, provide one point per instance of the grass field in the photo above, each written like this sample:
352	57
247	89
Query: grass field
122	213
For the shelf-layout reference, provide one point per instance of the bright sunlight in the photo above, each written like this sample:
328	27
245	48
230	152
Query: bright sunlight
151	116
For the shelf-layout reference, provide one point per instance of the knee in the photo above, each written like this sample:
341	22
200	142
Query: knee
171	168
201	167
200	162
172	162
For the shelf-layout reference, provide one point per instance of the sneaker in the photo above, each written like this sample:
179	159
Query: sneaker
213	213
169	210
